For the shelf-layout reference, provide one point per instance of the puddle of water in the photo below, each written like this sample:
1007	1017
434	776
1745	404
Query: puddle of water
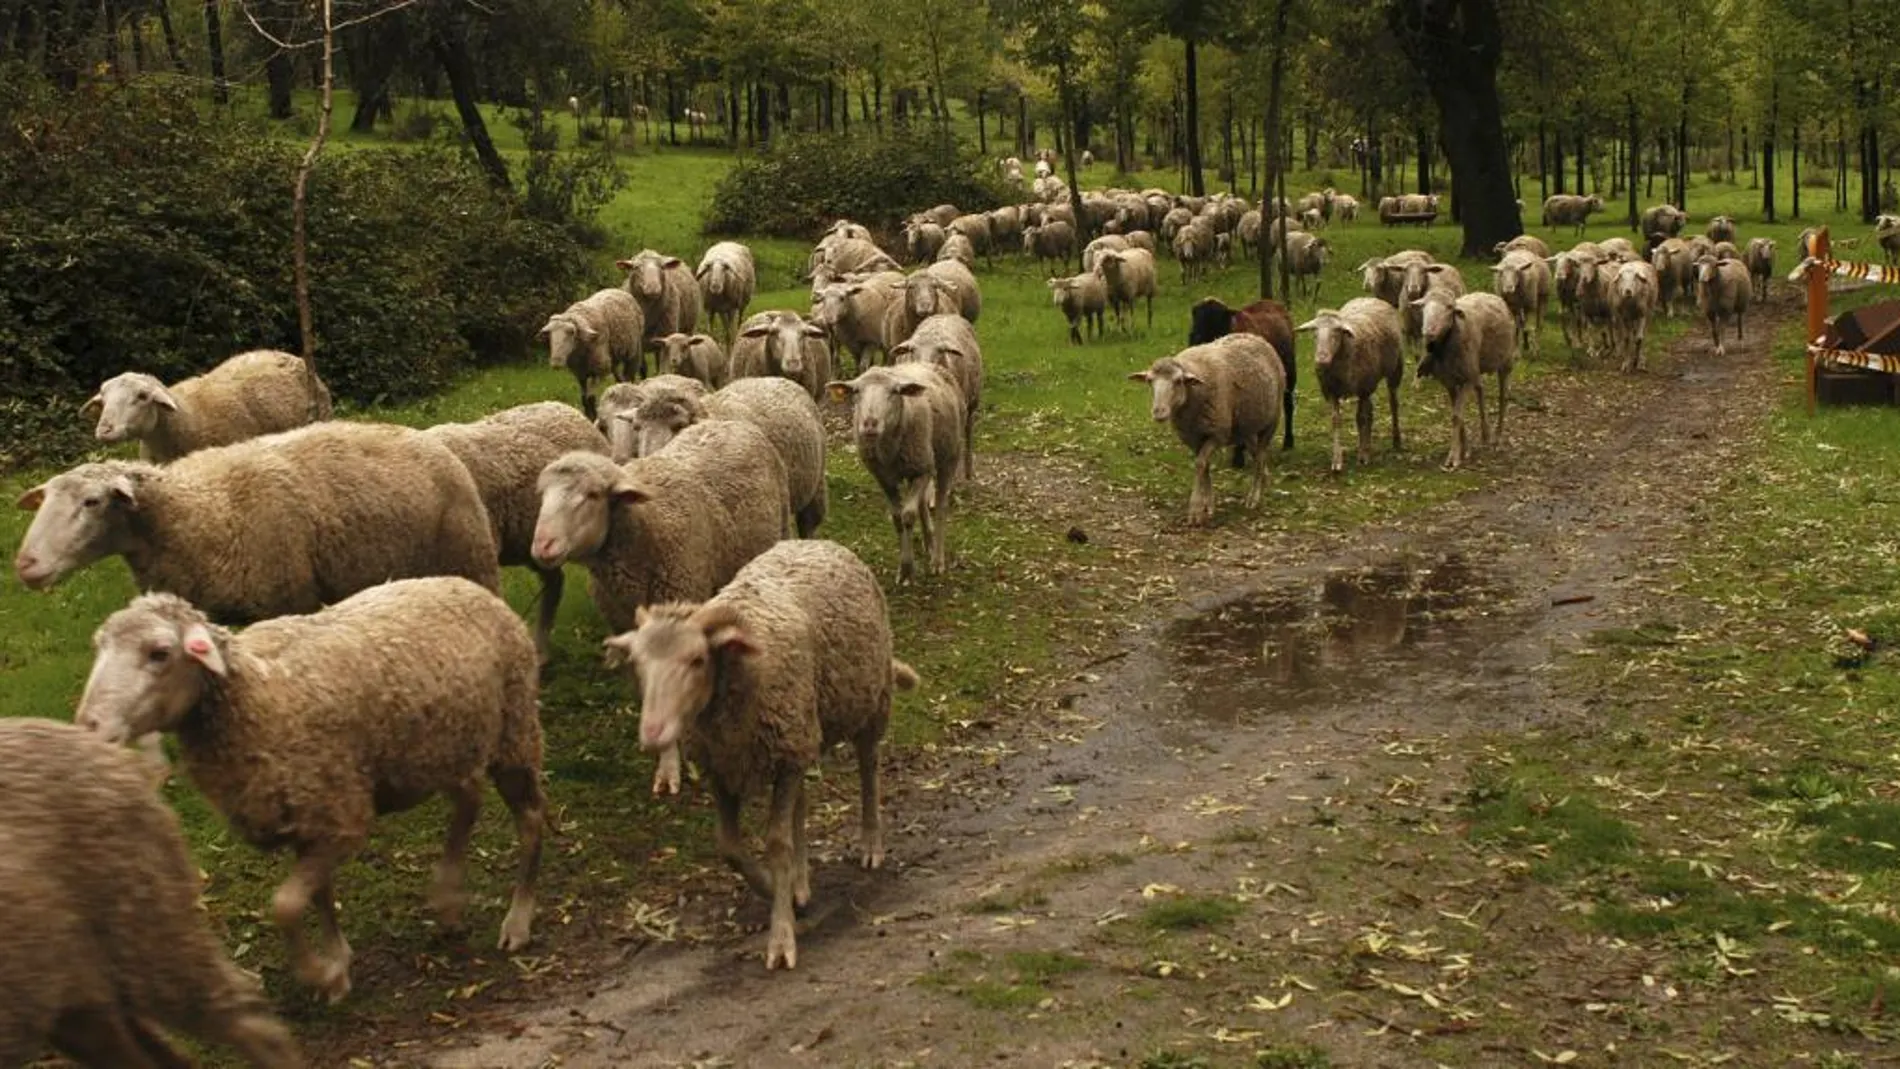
1347	636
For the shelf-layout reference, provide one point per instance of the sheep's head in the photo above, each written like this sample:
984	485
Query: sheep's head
128	406
1508	278
1060	290
646	272
784	334
580	492
1439	316
1371	273
567	335
661	416
678	650
152	661
879	398
1633	281
1417	277
1332	336
81	516
715	277
619	399
1170	384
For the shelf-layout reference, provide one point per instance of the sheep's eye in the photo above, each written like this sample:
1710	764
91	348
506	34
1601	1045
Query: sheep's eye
698	661
144	396
91	503
158	655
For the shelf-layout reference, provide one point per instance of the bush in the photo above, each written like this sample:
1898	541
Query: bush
135	233
803	182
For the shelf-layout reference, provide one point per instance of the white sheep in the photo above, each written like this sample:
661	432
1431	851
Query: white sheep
1091	253
782	342
255	393
1050	241
957	247
1225	394
963	287
1721	228
853	313
694	356
949	342
1385	278
1721	292
505	453
1760	257
1306	257
1421	279
908	422
280	524
1675	275
779	407
1634	290
105	940
1467	338
1083	300
1569	209
1130	274
595	337
668	294
1356	347
303	729
790	659
728	280
1522	278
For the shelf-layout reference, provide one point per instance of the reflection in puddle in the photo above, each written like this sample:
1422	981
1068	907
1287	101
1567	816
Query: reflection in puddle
1351	635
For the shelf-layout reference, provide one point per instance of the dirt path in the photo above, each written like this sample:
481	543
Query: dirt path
1213	754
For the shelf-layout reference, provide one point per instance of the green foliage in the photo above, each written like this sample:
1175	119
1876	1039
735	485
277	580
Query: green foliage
1180	914
135	233
805	181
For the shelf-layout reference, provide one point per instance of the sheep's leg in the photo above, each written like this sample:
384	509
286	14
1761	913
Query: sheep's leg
1362	415
1261	443
1456	458
1339	448
553	581
969	442
1504	388
106	1037
520	790
447	896
1201	499
731	844
788	787
870	823
247	1026
310	879
902	519
1151	311
941	488
1286	418
1392	402
666	772
801	852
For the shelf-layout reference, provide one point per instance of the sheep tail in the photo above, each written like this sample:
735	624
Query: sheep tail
904	675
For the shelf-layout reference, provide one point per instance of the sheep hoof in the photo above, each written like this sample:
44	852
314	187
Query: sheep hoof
514	933
328	976
782	949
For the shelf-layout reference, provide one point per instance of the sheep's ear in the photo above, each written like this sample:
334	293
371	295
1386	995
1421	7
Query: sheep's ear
912	389
202	646
813	330
93	408
755	332
1188	378
1418	302
164	399
624	265
841	391
629	494
1307	327
731	638
670	262
1141	376
122	489
902	349
586	333
33	499
617	650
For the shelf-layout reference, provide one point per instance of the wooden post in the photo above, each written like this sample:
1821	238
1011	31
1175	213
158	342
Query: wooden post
1817	304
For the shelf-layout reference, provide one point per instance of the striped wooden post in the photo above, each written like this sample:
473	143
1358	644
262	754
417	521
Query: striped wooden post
1818	275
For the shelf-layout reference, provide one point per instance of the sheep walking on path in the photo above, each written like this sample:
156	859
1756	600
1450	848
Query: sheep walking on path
251	394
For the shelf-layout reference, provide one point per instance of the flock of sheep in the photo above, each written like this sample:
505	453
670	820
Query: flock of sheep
379	667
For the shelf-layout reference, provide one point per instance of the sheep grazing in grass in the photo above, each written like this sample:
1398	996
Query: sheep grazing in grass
779	407
1210	320
1306	257
1193	246
1618	249
1666	220
105	941
1466	339
249	395
1223	395
918	297
849	256
728	279
949	342
1675	275
923	240
668	294
957	247
1721	228
695	356
303	729
1050	241
1760	257
281	524
1528	242
1130	274
966	295
853	314
1356	347
505	453
1091	254
1522	278
791	658
1345	208
596	337
908	422
1083	300
1721	293
1634	291
1569	209
784	343
1385	278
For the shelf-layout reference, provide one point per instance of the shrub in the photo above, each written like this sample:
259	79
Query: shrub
137	234
803	182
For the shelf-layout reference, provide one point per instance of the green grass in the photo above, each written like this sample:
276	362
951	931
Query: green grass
1816	498
1020	981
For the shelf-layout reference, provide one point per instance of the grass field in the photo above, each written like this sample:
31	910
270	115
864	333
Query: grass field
1814	516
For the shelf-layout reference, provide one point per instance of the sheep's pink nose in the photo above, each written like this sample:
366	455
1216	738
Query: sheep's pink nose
870	429
26	566
544	547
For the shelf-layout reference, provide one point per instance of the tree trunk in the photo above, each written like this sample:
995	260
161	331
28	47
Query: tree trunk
280	76
1065	99
762	112
214	46
450	46
1275	77
299	202
1424	160
1583	155
1794	185
1194	184
1557	160
982	126
1543	163
1456	47
1634	152
165	26
1682	152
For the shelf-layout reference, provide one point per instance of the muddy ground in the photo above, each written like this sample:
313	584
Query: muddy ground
1274	725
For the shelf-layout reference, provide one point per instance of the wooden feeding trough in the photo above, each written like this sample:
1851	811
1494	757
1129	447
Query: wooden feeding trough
1408	218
